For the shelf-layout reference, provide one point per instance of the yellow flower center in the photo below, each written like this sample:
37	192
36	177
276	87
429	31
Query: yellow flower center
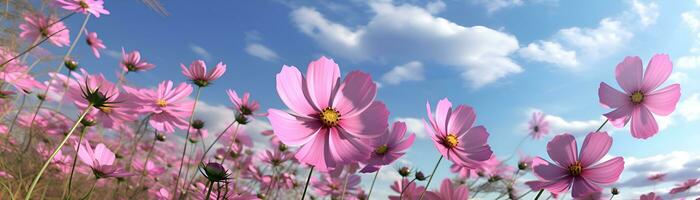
381	150
106	109
575	169
83	5
451	141
161	103
637	97
330	117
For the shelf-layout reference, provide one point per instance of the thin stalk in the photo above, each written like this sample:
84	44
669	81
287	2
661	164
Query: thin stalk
431	178
404	187
148	157
539	194
36	44
19	110
66	192
516	149
211	185
373	180
523	195
235	133
187	136
55	151
345	186
89	194
308	178
58	70
601	126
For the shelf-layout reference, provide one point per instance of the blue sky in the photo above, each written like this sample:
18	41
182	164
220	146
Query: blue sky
505	58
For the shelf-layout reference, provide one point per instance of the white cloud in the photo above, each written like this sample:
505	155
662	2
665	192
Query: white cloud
495	5
691	20
678	165
200	51
648	13
414	125
549	52
407	32
608	37
558	124
688	62
435	6
412	71
261	51
678	77
690	107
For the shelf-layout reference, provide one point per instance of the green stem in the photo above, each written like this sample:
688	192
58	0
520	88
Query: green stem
148	157
211	185
373	180
89	194
75	160
431	178
404	187
55	151
601	126
539	194
187	136
19	110
308	178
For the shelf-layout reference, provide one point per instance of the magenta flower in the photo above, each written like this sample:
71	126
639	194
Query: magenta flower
657	177
685	186
161	194
649	196
151	168
18	77
333	186
640	98
94	7
580	170
330	119
538	125
449	191
454	136
131	62
101	161
412	191
94	43
274	158
112	108
37	27
244	105
388	147
168	106
197	72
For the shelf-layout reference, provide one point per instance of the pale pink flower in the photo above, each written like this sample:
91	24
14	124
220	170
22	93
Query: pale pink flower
94	43
388	147
412	191
454	136
198	74
151	168
583	171
649	196
244	106
37	27
131	62
111	107
449	191
330	118
18	77
274	158
168	106
94	7
657	177
640	98
333	186
685	186
101	161
538	125
161	194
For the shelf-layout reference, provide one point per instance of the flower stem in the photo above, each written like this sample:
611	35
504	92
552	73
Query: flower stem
601	126
184	149
89	194
67	191
373	180
55	151
58	70
431	178
539	194
211	185
19	110
404	187
308	178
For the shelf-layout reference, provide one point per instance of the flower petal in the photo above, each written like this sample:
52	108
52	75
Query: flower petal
371	123
582	187
291	89
317	152
594	148
290	129
322	77
548	171
628	74
620	116
461	120
643	123
663	102
610	97
356	94
658	70
562	149
605	173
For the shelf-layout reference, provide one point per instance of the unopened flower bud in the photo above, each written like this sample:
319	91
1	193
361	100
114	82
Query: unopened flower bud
197	124
420	176
160	137
522	165
404	171
71	64
615	191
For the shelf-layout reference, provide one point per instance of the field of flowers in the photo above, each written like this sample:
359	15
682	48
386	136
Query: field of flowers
76	134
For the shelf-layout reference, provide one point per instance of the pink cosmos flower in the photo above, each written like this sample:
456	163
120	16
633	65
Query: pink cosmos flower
640	98
412	191
333	186
168	105
151	168
198	134
330	119
18	77
112	107
685	186
454	136
48	121
656	177
244	105
538	125
649	196
101	161
274	158
131	62
580	170
449	191
94	7
197	72
37	27
161	194
94	43
463	172
388	147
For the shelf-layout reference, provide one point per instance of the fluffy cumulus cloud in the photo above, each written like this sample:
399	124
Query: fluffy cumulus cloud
608	37
414	125
690	107
407	32
412	71
495	5
688	62
647	13
678	165
200	51
558	124
549	52
261	51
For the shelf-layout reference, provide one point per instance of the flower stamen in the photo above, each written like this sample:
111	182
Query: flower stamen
451	141
637	97
330	117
